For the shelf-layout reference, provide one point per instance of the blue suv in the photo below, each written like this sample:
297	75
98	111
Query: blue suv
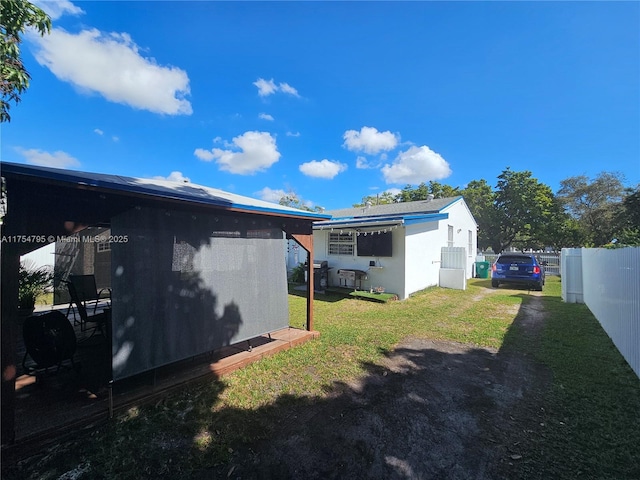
518	268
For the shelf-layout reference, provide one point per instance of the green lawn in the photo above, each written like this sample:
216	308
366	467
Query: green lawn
594	398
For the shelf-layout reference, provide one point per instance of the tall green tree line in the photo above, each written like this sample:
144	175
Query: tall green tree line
524	213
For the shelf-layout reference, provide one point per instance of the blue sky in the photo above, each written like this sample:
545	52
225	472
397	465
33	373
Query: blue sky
332	100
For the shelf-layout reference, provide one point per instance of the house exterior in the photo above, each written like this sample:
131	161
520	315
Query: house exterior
398	246
192	268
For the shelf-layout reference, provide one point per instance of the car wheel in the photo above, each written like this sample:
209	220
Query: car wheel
495	283
539	286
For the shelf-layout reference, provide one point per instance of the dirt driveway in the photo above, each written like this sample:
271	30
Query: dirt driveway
431	410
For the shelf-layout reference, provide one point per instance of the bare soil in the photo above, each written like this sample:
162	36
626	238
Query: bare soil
431	410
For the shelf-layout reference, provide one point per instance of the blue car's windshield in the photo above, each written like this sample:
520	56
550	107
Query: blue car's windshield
510	260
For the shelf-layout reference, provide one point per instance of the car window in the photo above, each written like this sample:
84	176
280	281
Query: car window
510	260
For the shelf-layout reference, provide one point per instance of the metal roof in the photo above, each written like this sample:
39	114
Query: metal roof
435	205
406	213
161	189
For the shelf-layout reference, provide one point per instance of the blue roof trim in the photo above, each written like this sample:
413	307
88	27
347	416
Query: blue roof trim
405	219
192	193
430	217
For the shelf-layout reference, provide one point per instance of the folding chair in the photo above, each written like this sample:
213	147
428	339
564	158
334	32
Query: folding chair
85	293
100	319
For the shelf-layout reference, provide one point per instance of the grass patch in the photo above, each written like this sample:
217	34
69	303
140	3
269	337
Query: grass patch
45	299
593	421
591	413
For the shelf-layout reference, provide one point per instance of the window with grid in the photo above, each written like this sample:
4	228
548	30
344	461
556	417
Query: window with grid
470	247
103	247
450	236
340	244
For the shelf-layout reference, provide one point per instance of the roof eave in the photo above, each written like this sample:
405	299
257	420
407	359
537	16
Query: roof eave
380	221
76	180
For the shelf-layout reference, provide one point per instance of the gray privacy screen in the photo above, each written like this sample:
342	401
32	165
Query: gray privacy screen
185	285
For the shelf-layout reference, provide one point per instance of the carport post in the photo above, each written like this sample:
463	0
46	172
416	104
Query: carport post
306	242
9	267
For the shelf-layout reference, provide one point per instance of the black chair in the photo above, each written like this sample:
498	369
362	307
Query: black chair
86	292
49	340
99	320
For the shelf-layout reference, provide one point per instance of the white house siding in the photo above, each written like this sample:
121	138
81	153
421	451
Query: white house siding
388	273
425	240
422	259
462	221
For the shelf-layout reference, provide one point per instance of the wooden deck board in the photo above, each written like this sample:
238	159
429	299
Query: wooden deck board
63	403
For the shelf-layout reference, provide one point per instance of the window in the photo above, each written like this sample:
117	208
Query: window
450	236
470	246
340	244
103	247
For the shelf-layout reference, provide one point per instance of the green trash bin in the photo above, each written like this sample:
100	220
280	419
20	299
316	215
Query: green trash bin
482	269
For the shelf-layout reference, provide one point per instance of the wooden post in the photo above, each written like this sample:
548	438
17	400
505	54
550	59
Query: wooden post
9	271
306	242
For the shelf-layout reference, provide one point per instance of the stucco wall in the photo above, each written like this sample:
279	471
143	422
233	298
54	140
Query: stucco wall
424	241
461	219
388	271
415	263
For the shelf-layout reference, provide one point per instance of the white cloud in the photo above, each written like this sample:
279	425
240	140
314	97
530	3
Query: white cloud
393	191
322	169
56	9
265	116
257	152
270	195
114	138
286	88
265	87
58	159
174	176
269	87
369	140
111	65
416	165
293	134
204	155
363	163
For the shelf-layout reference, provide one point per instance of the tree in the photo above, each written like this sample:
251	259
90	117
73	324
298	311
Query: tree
560	229
15	17
292	200
522	205
518	212
628	218
439	190
422	192
411	194
479	197
594	204
382	199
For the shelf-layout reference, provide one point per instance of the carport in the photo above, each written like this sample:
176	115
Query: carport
194	269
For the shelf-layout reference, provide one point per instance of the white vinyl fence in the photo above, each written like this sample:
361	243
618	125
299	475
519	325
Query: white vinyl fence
608	282
551	261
